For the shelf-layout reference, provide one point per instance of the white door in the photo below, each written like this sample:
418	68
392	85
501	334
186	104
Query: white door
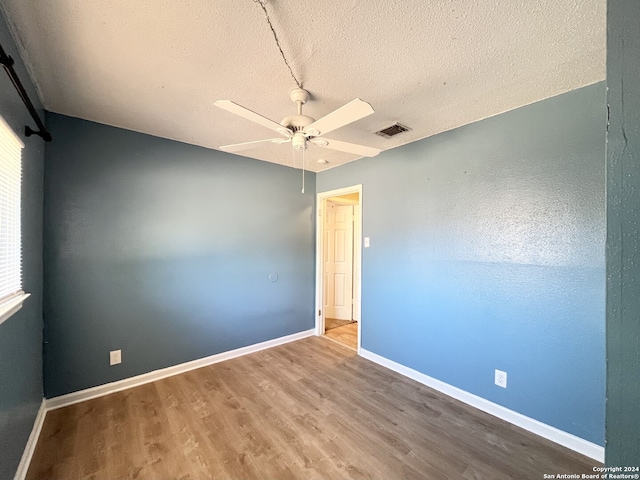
338	267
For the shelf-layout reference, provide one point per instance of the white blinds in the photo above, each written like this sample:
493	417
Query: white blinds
10	239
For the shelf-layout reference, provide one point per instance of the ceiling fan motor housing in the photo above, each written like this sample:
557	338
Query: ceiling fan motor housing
297	122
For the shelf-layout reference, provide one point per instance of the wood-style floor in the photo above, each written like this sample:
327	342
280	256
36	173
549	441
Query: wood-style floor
330	323
346	335
307	409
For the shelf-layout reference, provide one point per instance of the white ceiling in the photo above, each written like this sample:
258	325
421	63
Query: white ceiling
157	66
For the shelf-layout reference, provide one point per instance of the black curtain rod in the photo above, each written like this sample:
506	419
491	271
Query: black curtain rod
7	62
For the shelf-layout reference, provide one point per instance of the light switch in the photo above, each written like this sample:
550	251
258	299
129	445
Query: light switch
366	242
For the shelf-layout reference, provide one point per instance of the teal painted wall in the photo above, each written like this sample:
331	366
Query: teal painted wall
164	250
487	252
623	247
21	335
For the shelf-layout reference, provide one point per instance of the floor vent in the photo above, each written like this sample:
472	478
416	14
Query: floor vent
393	130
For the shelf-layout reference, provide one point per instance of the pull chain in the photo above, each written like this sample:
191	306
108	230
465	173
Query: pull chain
293	155
303	169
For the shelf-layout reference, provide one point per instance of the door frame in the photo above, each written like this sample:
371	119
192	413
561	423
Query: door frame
321	199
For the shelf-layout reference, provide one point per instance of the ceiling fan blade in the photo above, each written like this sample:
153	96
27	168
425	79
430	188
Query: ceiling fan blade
346	114
254	117
238	147
346	147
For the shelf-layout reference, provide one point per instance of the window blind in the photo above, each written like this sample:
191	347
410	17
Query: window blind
10	237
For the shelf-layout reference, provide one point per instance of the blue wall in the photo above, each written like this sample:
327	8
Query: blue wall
164	250
21	335
487	251
623	246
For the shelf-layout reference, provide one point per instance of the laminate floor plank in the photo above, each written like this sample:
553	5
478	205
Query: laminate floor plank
310	409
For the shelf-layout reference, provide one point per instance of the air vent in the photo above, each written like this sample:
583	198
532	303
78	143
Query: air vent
393	130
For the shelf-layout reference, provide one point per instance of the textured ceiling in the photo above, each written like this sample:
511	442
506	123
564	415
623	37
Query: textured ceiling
157	66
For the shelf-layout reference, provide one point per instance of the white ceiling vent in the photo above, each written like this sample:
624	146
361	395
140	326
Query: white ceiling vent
393	130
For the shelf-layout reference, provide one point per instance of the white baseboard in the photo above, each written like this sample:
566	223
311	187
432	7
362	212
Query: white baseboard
563	438
106	389
23	466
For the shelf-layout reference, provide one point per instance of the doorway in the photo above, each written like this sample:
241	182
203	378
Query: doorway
338	266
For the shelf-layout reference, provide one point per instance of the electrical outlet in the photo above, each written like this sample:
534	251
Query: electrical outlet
501	378
115	357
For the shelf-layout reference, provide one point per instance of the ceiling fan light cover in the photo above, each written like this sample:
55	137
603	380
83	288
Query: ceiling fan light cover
299	141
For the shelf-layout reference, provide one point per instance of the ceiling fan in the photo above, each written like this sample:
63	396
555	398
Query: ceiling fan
301	130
